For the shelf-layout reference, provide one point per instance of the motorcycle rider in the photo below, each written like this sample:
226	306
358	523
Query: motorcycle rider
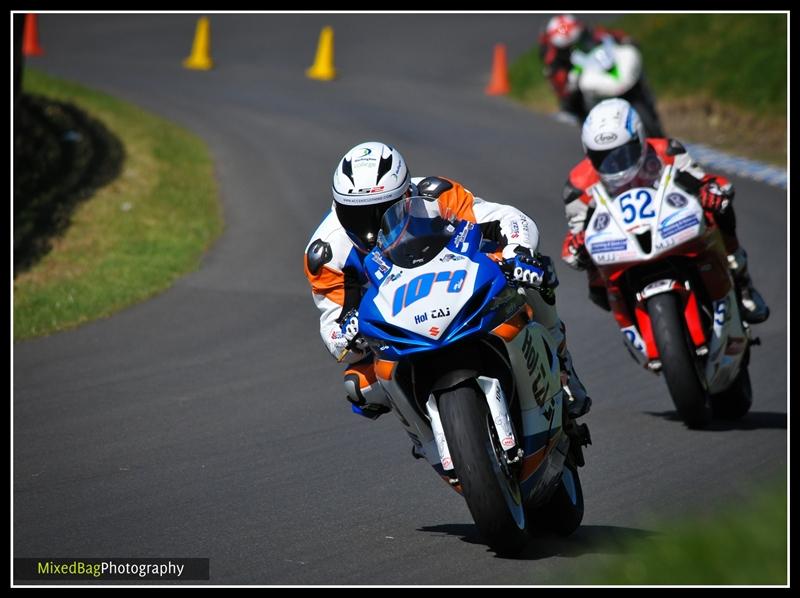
619	155
370	178
562	35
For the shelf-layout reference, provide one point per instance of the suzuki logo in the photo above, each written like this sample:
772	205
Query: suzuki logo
434	330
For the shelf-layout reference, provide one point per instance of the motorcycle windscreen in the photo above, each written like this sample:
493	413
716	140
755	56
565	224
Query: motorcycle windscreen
413	232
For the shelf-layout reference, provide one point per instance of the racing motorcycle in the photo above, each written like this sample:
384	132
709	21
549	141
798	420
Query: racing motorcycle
611	70
473	380
669	286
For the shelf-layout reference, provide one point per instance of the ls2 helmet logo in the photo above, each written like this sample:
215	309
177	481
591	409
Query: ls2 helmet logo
601	221
676	200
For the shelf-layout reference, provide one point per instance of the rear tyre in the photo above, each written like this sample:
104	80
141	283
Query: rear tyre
491	490
735	401
679	364
564	511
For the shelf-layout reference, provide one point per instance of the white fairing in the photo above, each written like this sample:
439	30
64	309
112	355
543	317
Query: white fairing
537	377
728	341
596	82
536	372
635	344
448	280
617	233
619	228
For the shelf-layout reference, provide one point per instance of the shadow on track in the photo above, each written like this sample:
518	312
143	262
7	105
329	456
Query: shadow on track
755	420
589	539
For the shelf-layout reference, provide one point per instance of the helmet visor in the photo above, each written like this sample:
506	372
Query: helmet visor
618	159
361	223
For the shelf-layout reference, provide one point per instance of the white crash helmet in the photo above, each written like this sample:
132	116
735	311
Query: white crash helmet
563	31
614	140
368	180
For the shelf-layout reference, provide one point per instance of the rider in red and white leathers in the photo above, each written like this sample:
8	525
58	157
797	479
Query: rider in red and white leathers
619	155
368	180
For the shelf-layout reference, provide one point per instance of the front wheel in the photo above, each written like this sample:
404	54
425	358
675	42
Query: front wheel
491	490
679	364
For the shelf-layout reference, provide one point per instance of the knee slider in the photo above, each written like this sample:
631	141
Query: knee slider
352	389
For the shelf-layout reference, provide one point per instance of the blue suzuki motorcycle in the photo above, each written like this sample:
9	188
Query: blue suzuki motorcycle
473	379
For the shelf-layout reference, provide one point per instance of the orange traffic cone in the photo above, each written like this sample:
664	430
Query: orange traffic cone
30	37
499	83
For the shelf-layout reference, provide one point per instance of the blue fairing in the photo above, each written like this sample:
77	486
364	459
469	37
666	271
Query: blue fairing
393	342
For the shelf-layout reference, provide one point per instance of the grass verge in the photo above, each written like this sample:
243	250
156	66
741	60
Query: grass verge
719	79
136	234
745	545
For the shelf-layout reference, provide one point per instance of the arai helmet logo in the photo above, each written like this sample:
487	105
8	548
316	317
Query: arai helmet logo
604	138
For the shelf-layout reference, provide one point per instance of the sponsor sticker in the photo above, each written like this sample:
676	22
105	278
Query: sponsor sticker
382	266
602	221
371	190
676	227
665	243
460	237
676	200
609	246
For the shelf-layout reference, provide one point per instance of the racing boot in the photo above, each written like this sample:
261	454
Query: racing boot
752	306
579	402
364	391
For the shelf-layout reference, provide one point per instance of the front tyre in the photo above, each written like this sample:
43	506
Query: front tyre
491	490
679	364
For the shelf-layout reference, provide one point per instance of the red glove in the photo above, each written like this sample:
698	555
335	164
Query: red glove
716	194
574	251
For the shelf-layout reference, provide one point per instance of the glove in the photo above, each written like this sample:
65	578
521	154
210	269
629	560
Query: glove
349	328
574	251
535	271
716	194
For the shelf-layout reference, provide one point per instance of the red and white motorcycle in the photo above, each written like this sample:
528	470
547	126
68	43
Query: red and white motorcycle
670	289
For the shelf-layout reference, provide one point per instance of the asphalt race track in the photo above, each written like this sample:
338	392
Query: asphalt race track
210	420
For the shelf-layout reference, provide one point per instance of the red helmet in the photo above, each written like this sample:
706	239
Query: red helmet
563	31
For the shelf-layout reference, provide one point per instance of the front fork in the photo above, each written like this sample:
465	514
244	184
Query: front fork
501	421
638	335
